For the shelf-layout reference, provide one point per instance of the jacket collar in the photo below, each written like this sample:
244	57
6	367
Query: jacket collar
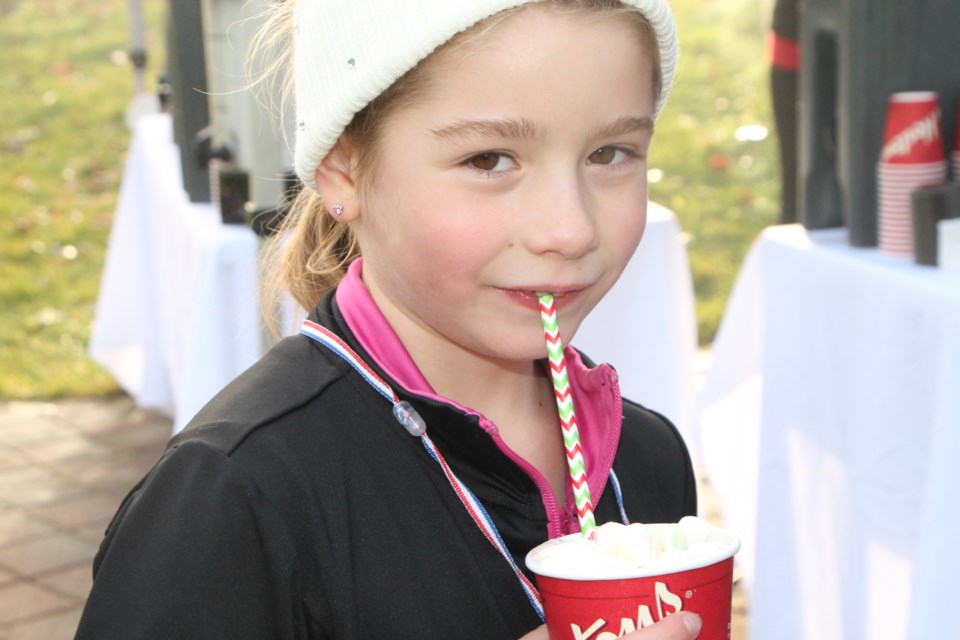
595	389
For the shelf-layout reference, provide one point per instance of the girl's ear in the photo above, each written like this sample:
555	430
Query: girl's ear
336	182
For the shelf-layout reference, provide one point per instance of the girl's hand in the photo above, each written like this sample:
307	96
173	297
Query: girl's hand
679	626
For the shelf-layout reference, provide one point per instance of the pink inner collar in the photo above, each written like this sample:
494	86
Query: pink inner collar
375	334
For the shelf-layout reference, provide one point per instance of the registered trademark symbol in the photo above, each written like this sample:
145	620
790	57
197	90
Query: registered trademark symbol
688	594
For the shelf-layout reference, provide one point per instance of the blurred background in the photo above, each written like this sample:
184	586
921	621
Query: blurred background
68	81
843	355
71	441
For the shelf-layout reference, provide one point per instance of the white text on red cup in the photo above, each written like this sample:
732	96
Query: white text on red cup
925	131
667	603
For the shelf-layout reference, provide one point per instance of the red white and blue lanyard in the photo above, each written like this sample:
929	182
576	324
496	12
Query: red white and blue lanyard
407	416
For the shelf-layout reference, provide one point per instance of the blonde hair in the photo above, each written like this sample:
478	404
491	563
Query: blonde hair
310	251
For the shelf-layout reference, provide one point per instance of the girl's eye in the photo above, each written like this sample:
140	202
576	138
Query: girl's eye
610	155
490	162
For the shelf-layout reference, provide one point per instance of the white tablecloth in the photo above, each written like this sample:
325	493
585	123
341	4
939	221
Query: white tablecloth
177	315
829	426
646	326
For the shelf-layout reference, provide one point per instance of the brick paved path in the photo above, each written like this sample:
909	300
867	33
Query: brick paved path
64	467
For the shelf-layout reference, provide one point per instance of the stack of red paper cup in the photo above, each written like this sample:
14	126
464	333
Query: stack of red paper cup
912	157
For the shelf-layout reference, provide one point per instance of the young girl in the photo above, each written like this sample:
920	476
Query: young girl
475	153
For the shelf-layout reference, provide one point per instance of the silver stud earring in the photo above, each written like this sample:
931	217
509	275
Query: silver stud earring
338	209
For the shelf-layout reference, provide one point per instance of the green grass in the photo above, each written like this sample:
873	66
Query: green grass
723	190
65	87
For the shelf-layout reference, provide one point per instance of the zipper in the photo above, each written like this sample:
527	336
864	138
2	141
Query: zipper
554	523
557	520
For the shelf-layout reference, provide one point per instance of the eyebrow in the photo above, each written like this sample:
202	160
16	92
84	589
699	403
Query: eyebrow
523	129
624	125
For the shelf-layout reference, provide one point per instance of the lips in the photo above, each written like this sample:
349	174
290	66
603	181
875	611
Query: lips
562	296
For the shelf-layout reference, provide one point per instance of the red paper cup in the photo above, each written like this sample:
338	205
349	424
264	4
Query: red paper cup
900	173
895	183
913	131
592	608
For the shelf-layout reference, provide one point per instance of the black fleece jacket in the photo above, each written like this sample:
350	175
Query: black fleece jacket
294	506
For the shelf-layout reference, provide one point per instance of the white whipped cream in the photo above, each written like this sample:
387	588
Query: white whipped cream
617	551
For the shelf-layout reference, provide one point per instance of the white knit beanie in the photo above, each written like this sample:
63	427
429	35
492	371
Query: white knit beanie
347	52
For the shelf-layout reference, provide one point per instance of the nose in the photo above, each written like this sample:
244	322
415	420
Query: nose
561	220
